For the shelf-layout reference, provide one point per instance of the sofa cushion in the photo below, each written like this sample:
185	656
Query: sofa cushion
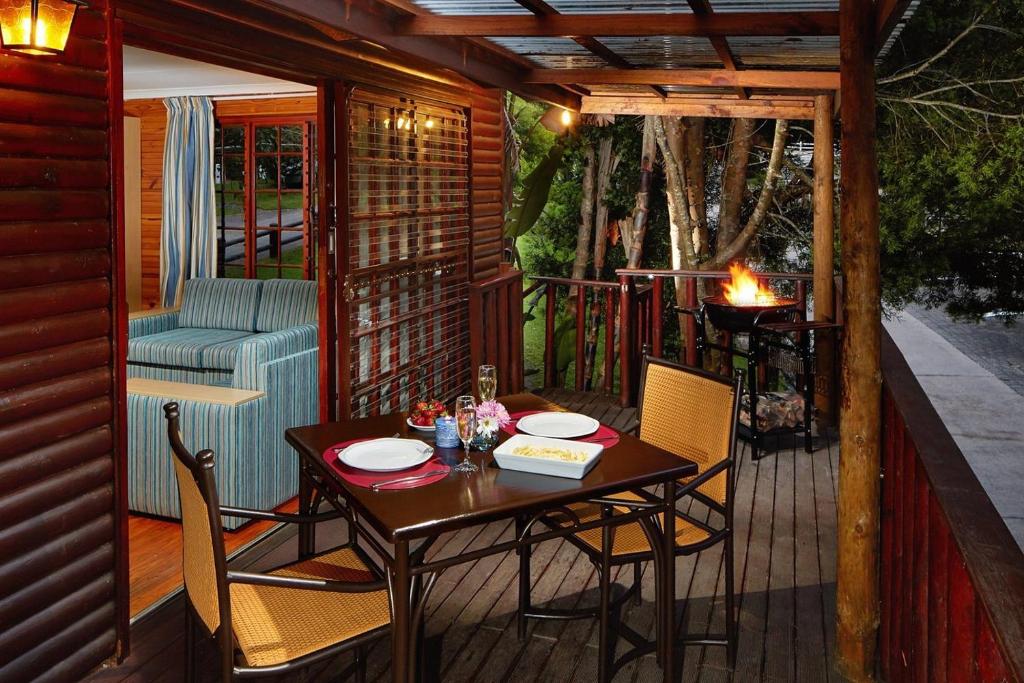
188	347
220	303
286	303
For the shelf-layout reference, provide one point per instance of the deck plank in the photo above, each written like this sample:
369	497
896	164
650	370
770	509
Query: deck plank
785	525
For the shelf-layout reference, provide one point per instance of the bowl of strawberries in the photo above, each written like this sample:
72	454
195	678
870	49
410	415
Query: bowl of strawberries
424	413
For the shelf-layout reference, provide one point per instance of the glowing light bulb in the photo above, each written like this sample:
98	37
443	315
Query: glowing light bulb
430	123
566	117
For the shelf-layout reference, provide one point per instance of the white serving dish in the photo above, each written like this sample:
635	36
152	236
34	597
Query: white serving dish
428	428
386	455
558	425
506	459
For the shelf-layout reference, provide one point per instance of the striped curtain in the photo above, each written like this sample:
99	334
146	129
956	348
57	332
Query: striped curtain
188	236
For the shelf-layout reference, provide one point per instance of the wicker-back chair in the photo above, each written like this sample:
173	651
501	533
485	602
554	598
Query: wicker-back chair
693	414
283	620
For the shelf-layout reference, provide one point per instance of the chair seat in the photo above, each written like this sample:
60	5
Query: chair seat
629	538
274	625
188	347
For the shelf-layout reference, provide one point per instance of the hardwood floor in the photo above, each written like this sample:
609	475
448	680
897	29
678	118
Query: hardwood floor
785	581
154	555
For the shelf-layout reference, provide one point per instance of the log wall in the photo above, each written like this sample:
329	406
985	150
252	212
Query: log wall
61	413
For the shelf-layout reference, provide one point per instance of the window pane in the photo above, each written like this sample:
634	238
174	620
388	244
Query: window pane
266	210
266	173
291	248
231	256
291	138
266	138
230	211
234	139
291	172
291	210
233	173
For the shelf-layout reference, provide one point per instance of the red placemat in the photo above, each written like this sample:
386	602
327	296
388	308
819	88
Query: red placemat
606	436
366	479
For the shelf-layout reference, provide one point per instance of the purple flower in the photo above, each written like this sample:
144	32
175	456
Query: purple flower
494	410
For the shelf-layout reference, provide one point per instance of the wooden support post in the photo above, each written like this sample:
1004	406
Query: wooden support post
609	339
824	258
657	334
626	327
857	594
550	373
581	336
691	323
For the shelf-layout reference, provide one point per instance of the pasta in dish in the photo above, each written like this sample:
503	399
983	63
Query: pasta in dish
551	453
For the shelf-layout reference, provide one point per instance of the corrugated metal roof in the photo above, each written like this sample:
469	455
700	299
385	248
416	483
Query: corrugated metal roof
667	51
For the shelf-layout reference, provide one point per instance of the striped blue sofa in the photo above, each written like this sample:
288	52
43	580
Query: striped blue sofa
243	334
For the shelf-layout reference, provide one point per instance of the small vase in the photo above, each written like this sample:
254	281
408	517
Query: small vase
484	442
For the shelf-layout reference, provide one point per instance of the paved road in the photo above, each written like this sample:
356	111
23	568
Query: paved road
991	344
983	413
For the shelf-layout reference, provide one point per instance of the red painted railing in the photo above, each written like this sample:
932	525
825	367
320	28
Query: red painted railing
952	576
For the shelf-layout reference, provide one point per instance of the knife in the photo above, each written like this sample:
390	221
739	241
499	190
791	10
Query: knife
402	480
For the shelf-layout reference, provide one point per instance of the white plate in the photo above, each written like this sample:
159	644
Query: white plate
508	460
386	455
558	425
421	428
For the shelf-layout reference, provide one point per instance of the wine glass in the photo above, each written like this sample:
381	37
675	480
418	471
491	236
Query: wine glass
487	382
465	419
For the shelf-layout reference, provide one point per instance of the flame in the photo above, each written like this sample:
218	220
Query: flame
746	290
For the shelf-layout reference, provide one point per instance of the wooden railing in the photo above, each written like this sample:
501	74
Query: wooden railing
635	304
496	328
952	576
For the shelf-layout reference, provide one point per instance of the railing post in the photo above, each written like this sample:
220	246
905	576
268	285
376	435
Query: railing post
549	336
691	322
626	305
581	334
516	333
657	336
609	340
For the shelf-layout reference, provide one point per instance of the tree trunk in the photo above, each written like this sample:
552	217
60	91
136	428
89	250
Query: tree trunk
585	228
734	181
737	247
606	165
636	239
693	152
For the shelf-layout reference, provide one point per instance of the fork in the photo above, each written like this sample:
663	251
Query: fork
402	480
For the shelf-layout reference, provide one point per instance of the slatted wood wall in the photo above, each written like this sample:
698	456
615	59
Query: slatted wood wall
59	408
153	122
487	128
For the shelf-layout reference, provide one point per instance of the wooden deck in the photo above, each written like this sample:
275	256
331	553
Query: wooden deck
785	571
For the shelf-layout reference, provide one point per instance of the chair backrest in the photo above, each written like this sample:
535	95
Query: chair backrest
287	303
220	304
693	414
204	564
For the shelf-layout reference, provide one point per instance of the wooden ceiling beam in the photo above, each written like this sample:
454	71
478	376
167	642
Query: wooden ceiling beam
376	28
595	46
712	108
712	78
634	25
721	45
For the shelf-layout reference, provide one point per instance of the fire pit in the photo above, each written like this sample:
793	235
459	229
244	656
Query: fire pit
745	302
741	318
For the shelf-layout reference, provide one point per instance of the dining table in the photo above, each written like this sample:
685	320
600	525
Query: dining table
400	526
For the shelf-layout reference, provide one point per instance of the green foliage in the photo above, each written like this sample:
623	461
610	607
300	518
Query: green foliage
952	200
529	203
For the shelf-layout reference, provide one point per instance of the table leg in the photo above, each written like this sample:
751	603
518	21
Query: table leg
401	613
668	575
307	539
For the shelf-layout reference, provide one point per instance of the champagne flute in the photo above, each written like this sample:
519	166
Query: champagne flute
487	382
465	418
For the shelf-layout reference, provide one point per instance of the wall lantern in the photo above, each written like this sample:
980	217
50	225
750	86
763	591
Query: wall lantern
37	27
557	120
